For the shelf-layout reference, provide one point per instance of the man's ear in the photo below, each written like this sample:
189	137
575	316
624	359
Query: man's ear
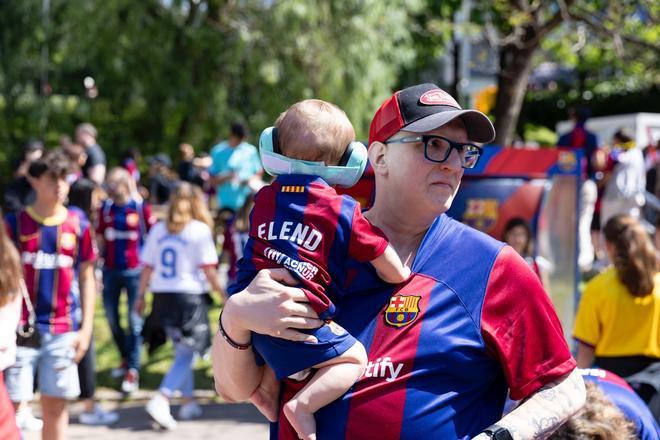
378	157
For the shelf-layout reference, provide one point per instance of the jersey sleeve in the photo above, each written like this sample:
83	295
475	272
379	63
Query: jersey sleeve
148	254
207	254
10	226
101	225
520	327
587	326
367	242
149	219
87	251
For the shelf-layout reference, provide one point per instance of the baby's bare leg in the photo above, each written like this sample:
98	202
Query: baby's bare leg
330	382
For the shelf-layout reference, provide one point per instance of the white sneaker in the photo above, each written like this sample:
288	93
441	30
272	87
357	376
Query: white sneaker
131	382
190	410
26	421
158	408
98	417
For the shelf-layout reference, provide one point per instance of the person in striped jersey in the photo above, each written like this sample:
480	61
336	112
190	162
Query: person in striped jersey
299	222
58	254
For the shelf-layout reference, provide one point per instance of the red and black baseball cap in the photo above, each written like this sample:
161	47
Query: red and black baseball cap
423	108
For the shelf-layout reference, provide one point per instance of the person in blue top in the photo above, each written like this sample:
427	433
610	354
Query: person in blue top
613	411
443	348
235	168
235	163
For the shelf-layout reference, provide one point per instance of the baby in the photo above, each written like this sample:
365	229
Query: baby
299	222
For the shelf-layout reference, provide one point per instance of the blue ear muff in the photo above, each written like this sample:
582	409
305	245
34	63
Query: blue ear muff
346	174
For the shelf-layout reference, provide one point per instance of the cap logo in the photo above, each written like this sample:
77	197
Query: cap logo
438	97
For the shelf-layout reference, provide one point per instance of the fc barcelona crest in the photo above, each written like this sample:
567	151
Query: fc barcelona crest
402	310
132	219
481	214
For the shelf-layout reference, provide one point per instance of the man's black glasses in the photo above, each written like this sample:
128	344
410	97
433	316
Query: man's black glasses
438	148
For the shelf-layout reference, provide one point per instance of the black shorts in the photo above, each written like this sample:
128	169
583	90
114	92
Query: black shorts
182	314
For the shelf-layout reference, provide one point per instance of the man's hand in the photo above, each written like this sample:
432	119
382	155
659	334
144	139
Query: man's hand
270	306
139	305
81	344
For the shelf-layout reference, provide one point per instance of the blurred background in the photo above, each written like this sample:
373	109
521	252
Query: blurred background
154	73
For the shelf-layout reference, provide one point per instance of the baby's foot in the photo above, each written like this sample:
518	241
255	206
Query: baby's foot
301	419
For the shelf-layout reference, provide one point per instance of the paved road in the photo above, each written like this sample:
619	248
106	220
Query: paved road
219	421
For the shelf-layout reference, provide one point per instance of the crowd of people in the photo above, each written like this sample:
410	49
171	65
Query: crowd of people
77	225
446	330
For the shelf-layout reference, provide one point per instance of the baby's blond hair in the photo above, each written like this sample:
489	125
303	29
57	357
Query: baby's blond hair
314	130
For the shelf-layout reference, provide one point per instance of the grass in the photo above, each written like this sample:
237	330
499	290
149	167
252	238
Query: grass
155	366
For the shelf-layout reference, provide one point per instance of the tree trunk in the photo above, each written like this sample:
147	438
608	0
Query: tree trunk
515	68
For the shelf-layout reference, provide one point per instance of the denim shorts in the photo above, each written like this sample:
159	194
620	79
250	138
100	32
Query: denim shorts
55	364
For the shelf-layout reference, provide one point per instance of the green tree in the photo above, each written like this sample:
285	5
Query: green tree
612	44
181	70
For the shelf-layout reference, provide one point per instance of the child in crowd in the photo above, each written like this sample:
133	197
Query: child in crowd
57	252
180	259
300	222
123	224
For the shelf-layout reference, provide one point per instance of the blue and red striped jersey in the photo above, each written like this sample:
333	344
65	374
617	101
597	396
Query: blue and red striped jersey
51	251
618	391
123	229
299	222
471	322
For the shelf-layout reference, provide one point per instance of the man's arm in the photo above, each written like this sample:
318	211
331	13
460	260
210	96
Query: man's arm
221	178
267	306
88	296
522	331
586	355
546	410
97	173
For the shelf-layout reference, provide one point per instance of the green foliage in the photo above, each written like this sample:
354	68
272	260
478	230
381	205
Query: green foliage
182	70
540	134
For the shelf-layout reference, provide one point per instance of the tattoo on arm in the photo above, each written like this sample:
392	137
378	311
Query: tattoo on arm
543	412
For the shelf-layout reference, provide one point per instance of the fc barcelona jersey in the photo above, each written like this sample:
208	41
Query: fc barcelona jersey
300	223
51	251
123	229
472	322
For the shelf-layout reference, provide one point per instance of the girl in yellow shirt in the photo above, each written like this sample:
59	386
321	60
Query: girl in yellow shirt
618	320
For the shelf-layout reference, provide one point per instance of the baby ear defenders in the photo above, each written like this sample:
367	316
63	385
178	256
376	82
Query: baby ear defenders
346	174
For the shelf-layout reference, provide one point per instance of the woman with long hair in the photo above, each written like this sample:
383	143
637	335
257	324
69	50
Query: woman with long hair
618	320
180	259
11	287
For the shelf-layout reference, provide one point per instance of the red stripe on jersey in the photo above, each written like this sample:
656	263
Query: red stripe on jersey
387	403
265	202
513	338
109	250
325	217
61	319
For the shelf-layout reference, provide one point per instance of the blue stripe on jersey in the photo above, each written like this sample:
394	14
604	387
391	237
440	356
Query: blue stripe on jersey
12	222
47	288
119	216
456	337
337	264
367	295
